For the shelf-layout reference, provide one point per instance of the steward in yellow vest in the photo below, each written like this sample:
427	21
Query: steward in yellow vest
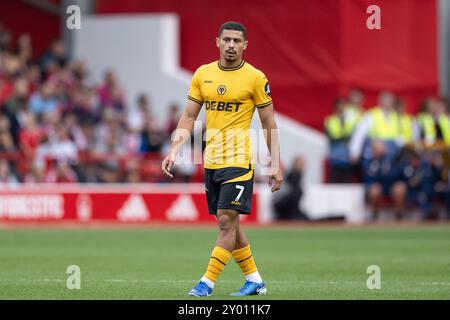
339	126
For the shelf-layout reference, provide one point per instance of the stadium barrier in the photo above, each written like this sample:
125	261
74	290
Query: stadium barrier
328	201
167	203
117	203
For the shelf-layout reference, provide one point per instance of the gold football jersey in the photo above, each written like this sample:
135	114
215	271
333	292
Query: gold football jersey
230	96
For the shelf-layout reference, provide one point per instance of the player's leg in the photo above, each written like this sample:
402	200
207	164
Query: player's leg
241	238
227	221
226	240
236	193
244	257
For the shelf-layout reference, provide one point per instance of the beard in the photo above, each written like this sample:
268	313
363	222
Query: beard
231	57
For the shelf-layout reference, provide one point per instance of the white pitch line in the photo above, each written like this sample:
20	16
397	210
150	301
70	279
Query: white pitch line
319	283
31	280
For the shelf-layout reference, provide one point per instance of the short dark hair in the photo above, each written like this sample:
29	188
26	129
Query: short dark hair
233	25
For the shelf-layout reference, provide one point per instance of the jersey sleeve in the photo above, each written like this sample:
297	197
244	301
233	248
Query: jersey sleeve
261	91
195	94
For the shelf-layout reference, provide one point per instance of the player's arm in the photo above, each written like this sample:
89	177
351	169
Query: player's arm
181	135
266	114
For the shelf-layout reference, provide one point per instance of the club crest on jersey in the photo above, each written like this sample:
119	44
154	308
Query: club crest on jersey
221	89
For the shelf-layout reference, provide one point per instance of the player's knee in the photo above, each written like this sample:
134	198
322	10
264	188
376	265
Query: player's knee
227	220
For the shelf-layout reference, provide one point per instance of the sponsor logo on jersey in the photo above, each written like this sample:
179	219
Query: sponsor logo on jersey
222	106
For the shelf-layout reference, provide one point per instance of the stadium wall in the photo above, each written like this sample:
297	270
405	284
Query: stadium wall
121	203
148	204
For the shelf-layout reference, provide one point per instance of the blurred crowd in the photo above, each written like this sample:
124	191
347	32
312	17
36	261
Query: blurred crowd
57	126
403	160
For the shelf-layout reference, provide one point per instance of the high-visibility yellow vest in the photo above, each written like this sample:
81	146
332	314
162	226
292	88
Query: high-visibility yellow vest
406	127
385	128
336	129
420	118
352	113
429	129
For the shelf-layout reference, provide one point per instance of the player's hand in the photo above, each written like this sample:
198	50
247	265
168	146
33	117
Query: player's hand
275	180
167	163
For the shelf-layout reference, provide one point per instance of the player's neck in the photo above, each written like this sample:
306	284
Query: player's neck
227	65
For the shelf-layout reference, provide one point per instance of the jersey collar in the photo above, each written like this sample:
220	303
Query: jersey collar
232	68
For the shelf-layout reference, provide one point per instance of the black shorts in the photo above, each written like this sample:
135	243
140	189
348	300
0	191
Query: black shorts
229	188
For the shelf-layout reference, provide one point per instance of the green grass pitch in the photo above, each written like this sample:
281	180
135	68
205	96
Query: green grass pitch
164	263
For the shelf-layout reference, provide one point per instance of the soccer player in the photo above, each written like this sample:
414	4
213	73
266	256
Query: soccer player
230	89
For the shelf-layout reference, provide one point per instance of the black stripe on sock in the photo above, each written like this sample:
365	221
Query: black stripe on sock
244	259
211	266
219	260
213	272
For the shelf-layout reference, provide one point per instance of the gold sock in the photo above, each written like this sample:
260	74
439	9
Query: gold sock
244	259
218	261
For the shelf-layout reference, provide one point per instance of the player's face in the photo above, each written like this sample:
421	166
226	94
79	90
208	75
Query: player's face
231	45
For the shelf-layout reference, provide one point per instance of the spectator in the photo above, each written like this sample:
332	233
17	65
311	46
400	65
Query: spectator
83	103
435	124
172	119
75	131
138	116
43	101
80	73
409	130
55	57
382	178
354	108
152	138
287	205
62	147
33	75
380	123
132	174
5	40
16	106
34	175
9	66
416	175
30	136
57	148
438	186
110	93
6	176
24	49
112	153
339	128
60	172
6	140
109	124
